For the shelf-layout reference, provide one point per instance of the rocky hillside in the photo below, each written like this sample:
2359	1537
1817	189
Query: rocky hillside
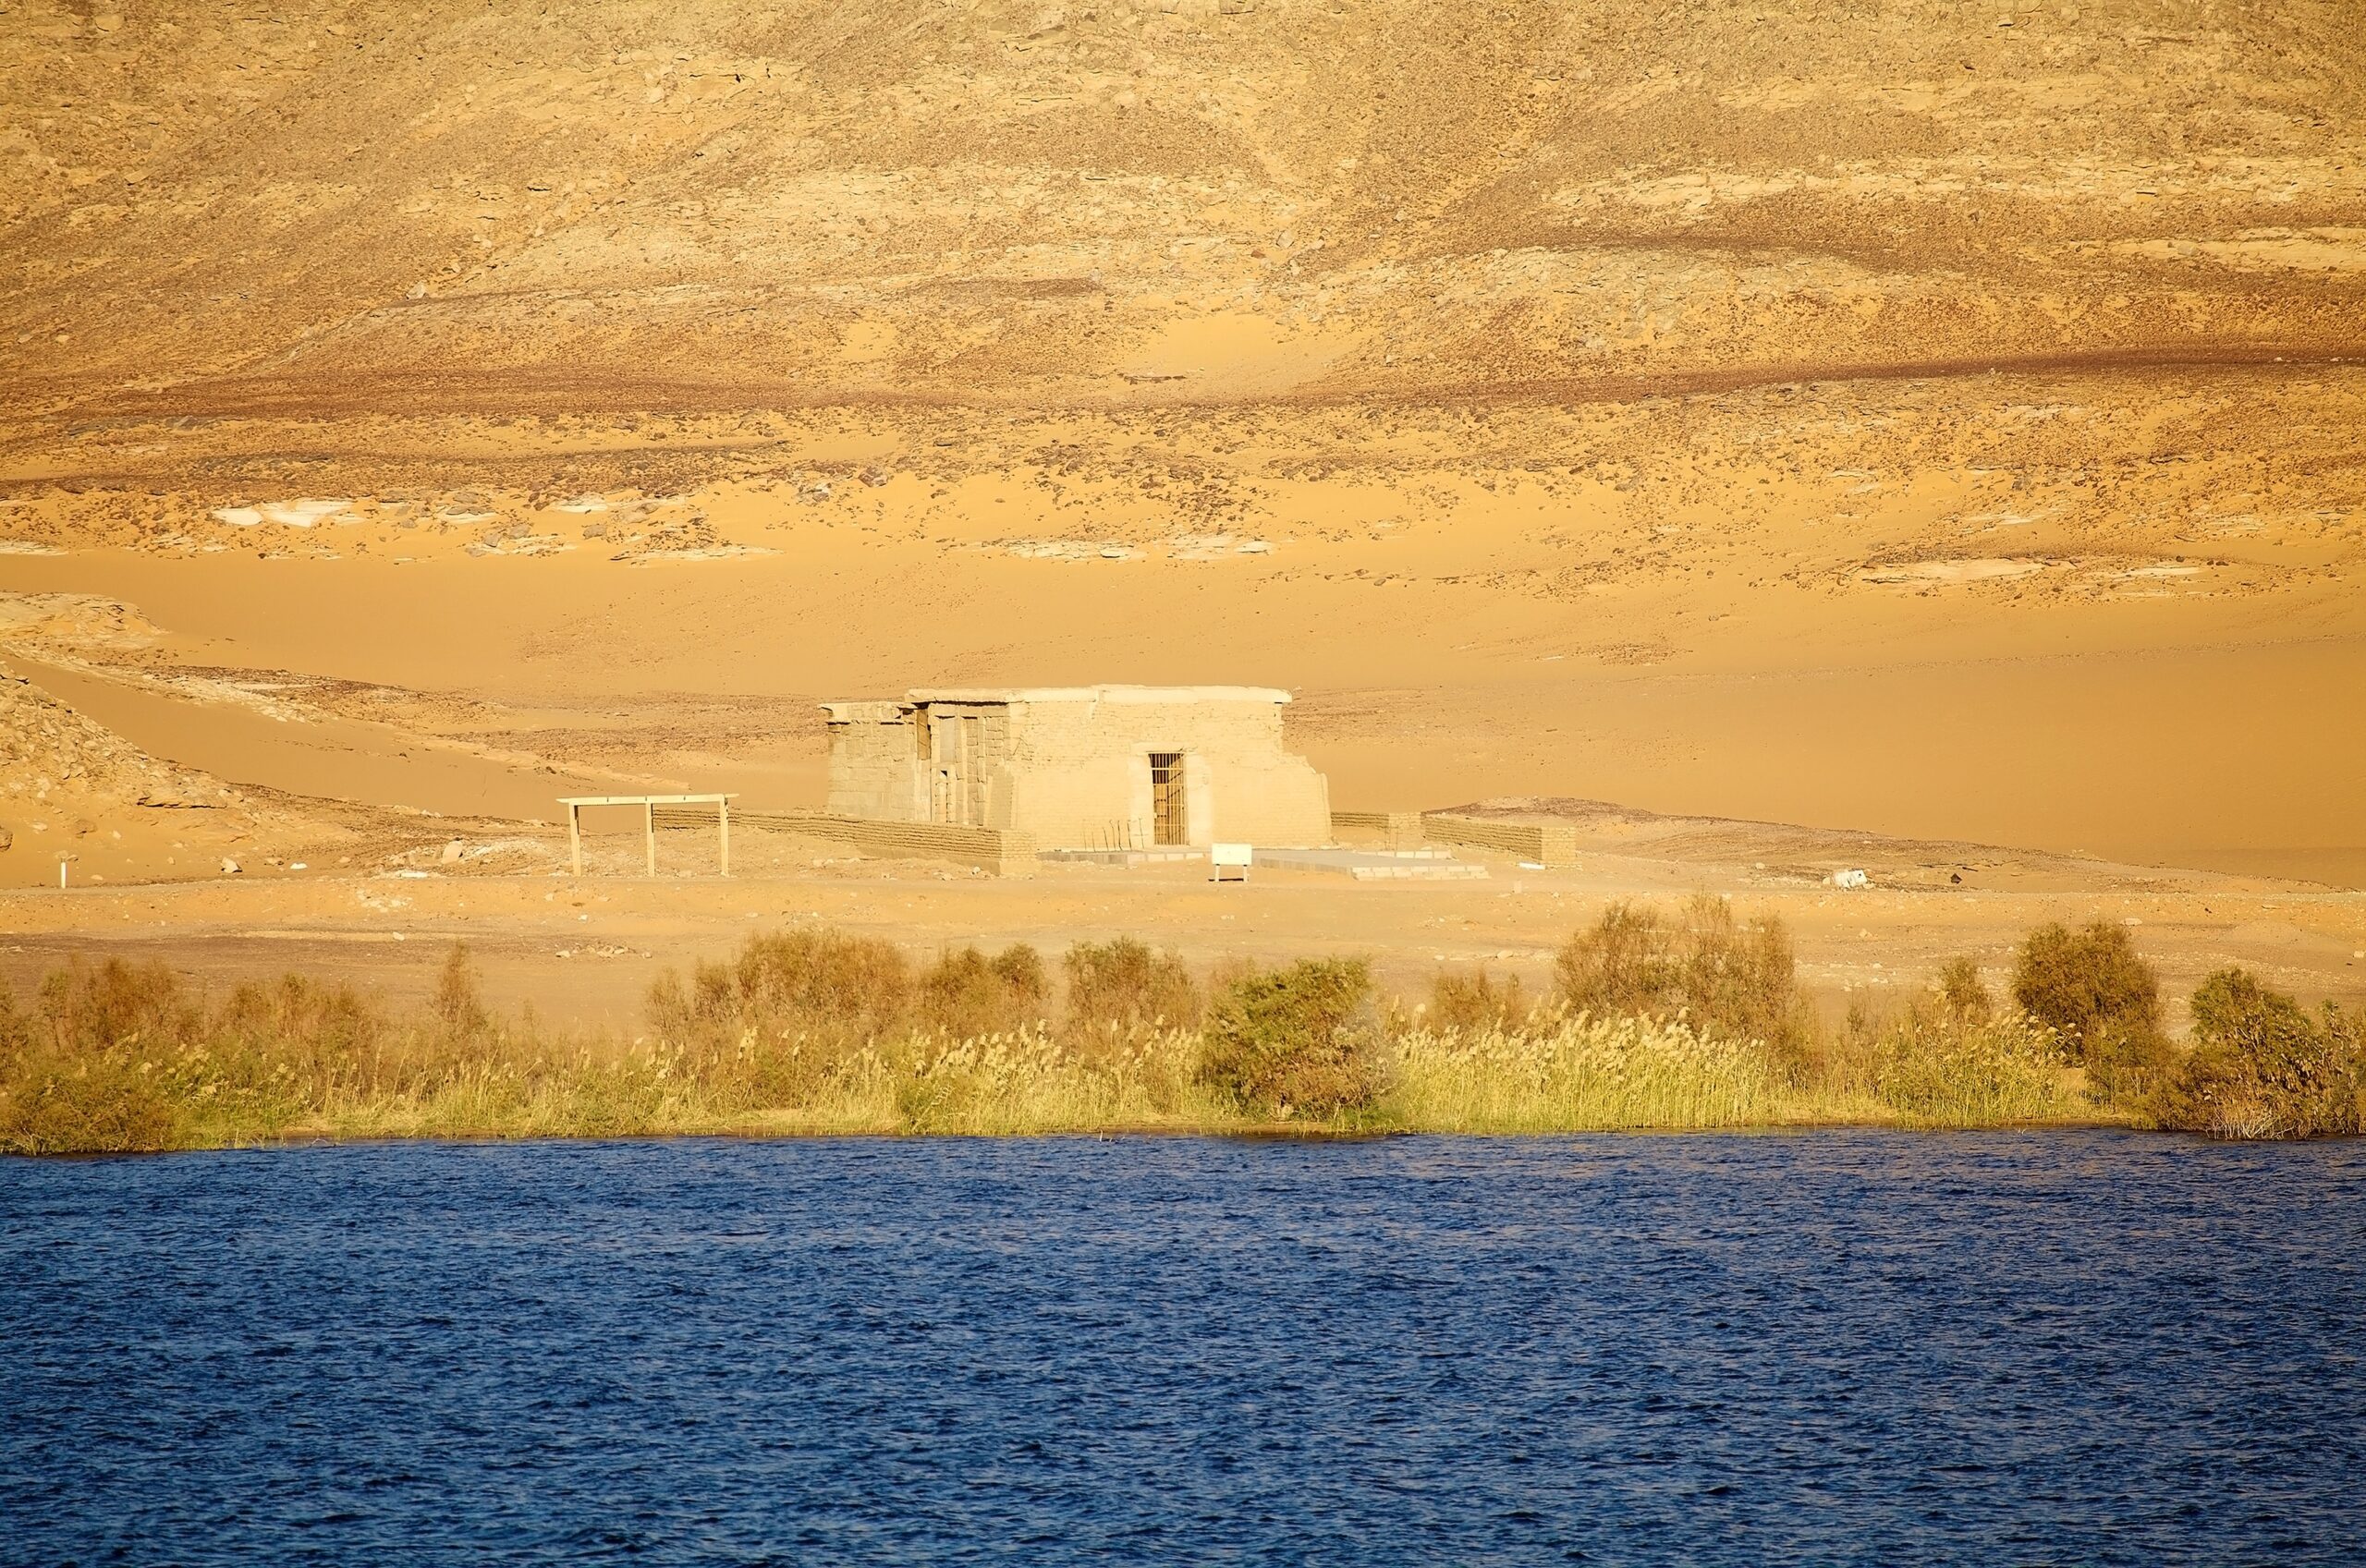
348	206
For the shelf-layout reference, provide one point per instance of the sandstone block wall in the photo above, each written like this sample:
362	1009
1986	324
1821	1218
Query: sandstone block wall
1548	843
1004	853
876	771
1396	830
1071	765
1079	774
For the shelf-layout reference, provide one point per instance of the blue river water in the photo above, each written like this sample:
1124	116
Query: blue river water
2084	1347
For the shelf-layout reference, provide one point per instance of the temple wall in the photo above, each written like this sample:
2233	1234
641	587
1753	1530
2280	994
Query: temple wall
1071	769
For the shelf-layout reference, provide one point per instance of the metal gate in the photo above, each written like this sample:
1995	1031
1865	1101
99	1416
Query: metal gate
1168	824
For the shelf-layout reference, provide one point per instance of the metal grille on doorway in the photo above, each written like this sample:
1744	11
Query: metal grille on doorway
1168	824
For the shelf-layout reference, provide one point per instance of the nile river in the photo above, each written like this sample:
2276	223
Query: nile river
1862	1347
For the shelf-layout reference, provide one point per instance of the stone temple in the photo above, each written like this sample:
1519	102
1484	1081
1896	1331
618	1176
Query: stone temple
1087	767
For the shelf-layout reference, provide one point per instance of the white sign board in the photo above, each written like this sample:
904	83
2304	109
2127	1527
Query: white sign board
1228	854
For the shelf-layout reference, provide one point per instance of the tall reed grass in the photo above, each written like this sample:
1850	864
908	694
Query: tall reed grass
1567	1071
814	1032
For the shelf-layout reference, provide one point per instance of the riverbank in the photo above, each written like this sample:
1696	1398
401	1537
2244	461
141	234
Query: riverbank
1590	1077
1656	1019
825	1036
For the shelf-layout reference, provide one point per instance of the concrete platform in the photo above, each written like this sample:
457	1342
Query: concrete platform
1375	865
1123	856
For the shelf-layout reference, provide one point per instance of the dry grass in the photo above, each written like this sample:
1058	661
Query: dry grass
820	1032
1570	1072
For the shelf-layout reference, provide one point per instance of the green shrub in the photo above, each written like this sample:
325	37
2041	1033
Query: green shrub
791	1012
1295	1041
2263	1068
1961	992
813	982
1623	966
458	1003
1122	987
331	1020
2096	991
1726	978
966	993
115	1003
1473	1001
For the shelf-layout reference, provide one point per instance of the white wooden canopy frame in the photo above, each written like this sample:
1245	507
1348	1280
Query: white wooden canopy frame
648	803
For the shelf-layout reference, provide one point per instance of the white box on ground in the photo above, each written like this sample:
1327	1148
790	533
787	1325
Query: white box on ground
1229	862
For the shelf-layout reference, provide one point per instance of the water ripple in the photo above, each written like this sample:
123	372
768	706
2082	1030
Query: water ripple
1832	1348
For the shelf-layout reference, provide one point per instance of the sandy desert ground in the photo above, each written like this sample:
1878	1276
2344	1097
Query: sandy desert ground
1938	427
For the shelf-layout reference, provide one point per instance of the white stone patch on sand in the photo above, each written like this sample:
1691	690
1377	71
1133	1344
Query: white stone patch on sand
302	514
239	516
1212	546
525	544
485	851
1993	568
2162	569
466	518
583	503
701	553
27	547
1066	549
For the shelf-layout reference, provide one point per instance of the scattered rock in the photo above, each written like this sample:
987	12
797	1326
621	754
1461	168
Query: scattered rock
230	867
452	852
8	840
1850	879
